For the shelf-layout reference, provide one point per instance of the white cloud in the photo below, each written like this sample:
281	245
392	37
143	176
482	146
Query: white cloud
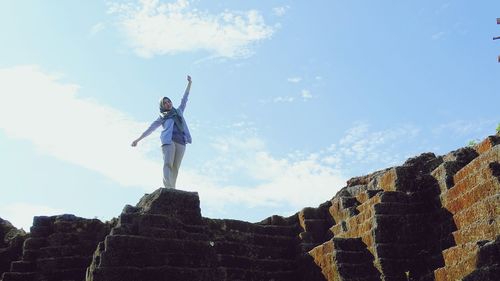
469	127
306	94
156	28
276	181
438	35
294	79
362	148
38	107
21	214
283	99
96	28
280	11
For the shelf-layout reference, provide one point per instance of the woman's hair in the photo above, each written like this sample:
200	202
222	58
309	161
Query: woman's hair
162	109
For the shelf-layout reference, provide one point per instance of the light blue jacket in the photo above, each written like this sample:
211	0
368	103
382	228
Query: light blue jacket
168	124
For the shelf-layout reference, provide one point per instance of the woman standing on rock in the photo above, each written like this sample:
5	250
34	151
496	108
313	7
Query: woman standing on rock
174	137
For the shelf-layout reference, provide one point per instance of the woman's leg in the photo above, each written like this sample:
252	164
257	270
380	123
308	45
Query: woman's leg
179	154
168	163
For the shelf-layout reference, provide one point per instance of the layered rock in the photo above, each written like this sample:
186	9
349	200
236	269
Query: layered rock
59	249
11	242
432	218
474	202
164	237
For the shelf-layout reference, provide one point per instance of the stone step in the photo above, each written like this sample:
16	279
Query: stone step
313	225
130	244
375	277
459	253
148	259
343	214
268	265
394	197
63	274
456	271
260	252
401	208
348	244
398	251
235	274
475	194
91	226
392	267
487	209
30	255
164	273
76	238
487	144
246	227
483	229
40	231
491	155
152	220
358	271
353	257
158	232
354	226
261	239
469	182
82	249
53	264
306	247
19	276
484	273
22	266
348	201
34	243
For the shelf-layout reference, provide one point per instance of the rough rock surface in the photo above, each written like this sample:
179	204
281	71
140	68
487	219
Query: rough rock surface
59	248
432	218
164	237
11	243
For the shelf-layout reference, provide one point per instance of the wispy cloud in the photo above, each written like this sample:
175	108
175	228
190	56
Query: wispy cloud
280	11
283	99
475	128
362	149
156	28
306	94
294	79
21	214
438	35
96	28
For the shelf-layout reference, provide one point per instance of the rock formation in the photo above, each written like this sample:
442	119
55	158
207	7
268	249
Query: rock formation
432	218
11	243
59	248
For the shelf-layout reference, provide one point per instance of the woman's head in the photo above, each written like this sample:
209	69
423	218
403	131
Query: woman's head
165	104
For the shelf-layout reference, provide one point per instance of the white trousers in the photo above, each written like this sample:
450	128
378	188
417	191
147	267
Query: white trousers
172	158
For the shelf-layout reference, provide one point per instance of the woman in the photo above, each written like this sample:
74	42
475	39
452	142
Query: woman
174	137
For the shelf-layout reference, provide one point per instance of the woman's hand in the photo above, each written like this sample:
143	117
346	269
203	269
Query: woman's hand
134	143
189	79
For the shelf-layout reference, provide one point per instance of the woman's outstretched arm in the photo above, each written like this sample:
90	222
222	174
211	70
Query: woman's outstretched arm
182	106
152	127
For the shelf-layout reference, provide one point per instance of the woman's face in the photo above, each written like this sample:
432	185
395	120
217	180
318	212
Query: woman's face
167	104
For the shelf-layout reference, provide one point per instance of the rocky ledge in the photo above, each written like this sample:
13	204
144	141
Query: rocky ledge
432	218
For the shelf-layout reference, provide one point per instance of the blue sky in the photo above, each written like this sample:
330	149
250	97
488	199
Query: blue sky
289	98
